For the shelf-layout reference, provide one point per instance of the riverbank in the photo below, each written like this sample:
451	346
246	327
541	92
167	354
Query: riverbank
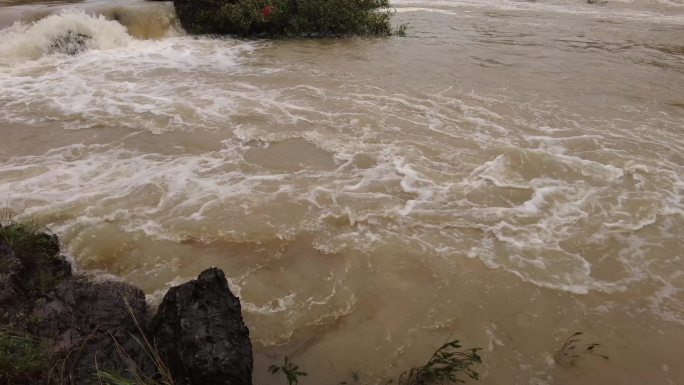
57	327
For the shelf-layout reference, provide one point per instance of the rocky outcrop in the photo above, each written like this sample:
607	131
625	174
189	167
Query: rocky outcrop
83	326
200	332
100	322
30	268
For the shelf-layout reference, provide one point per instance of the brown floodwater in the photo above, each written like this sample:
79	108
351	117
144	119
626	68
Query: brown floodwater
509	173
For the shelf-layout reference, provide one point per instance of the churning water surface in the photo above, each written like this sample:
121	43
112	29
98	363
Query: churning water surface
509	173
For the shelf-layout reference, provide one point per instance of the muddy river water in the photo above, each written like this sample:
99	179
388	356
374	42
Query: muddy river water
507	174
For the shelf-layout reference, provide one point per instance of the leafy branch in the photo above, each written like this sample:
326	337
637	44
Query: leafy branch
291	371
444	367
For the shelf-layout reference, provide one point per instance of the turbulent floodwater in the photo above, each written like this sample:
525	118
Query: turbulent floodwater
509	173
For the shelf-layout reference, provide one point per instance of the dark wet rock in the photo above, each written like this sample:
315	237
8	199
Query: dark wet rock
10	271
200	332
92	318
79	321
84	325
29	269
70	43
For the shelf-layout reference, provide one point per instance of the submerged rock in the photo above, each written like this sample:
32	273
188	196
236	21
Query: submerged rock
71	43
199	331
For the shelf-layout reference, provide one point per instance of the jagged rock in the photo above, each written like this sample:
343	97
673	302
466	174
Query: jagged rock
92	318
82	325
77	319
200	332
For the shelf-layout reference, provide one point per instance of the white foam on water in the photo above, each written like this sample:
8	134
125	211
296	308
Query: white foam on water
430	10
508	198
94	88
29	41
123	182
671	14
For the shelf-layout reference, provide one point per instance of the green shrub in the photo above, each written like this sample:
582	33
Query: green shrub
272	18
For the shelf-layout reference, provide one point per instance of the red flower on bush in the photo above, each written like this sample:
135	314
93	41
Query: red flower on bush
266	11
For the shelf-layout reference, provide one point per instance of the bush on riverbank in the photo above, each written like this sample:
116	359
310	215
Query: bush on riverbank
273	18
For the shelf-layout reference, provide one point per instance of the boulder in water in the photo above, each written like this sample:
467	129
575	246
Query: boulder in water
70	43
200	333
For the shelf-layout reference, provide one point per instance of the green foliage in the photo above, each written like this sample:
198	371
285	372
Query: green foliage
572	351
341	17
300	18
28	240
37	249
291	371
21	359
444	367
402	30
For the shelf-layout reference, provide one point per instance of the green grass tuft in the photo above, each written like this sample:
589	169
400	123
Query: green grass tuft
138	377
21	359
37	248
28	240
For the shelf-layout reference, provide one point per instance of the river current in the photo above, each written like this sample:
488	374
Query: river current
507	174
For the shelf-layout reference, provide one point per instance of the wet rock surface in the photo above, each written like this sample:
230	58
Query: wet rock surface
95	320
200	332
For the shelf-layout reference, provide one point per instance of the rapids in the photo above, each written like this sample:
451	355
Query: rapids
509	173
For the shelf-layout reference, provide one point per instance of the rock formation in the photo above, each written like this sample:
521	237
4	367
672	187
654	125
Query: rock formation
199	331
78	329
